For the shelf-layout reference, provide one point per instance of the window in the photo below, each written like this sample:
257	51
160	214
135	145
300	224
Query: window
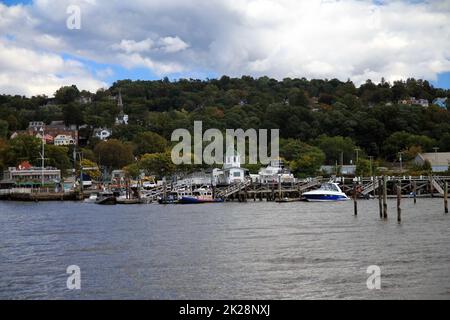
237	174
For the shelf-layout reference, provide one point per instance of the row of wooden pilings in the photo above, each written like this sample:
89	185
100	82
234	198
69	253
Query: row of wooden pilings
382	198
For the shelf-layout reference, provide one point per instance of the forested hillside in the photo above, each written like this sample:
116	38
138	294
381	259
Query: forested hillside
317	118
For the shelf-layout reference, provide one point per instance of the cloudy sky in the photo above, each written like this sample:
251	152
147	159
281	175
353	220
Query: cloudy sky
151	39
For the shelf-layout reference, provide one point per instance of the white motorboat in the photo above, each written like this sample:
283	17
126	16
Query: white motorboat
327	192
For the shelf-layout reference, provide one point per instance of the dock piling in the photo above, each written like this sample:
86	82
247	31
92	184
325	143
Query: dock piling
399	199
385	215
355	199
415	191
380	197
446	197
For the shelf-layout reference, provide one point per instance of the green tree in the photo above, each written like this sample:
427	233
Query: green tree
57	157
149	142
403	141
24	148
309	161
4	125
335	147
363	168
133	170
158	164
3	153
67	94
114	154
73	114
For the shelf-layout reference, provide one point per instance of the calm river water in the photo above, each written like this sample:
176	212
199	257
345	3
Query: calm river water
224	251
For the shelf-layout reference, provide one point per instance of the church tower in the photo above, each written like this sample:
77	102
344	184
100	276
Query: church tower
122	118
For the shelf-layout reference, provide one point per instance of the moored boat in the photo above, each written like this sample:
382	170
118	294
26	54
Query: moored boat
327	192
201	195
106	198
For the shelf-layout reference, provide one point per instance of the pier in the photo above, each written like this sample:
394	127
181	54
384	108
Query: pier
364	187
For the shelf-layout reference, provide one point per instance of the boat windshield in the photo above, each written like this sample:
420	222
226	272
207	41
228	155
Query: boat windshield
329	187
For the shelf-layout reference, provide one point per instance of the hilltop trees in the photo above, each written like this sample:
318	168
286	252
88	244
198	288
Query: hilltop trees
323	118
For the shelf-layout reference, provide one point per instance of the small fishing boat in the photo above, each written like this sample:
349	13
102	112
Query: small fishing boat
201	195
106	198
327	192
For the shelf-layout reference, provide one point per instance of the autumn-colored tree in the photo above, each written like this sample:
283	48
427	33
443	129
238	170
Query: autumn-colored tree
95	174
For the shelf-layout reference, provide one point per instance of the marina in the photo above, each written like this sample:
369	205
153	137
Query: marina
366	187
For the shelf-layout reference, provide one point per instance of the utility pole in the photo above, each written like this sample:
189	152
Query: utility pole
357	154
42	156
400	154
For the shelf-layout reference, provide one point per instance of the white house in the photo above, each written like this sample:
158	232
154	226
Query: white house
439	161
102	134
413	101
64	140
231	172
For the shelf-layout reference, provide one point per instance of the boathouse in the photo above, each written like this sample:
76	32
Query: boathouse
439	161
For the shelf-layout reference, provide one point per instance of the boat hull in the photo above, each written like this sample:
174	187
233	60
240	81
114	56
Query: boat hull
128	201
325	197
107	201
189	200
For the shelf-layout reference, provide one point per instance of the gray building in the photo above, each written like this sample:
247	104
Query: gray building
439	161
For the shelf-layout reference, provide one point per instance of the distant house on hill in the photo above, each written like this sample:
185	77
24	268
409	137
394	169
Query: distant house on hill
412	101
51	131
440	102
102	134
64	140
439	161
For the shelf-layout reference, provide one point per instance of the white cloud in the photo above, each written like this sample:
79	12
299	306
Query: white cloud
131	46
27	72
280	38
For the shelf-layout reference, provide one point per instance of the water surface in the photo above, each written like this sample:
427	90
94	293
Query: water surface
224	251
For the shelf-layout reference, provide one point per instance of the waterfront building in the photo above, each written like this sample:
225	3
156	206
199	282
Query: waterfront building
439	161
26	174
231	172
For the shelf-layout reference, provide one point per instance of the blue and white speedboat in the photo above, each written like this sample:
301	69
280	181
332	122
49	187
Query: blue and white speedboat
327	192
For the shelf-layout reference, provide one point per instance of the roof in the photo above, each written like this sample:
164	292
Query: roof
436	158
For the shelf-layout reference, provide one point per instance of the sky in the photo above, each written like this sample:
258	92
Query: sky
153	39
